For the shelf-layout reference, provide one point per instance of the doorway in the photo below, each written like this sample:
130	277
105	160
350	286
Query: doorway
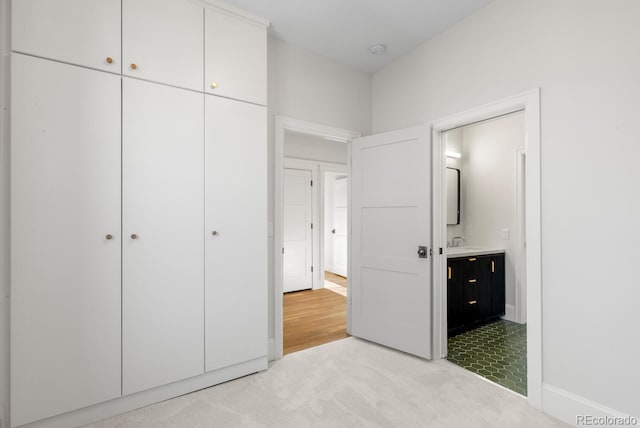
310	234
525	235
485	323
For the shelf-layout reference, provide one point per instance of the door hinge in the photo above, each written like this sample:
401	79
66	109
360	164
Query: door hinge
311	268
440	250
282	250
311	183
311	226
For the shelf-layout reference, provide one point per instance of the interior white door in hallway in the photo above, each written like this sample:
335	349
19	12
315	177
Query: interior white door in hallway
339	230
298	250
391	219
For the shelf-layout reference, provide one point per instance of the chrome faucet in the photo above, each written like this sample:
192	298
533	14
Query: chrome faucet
456	240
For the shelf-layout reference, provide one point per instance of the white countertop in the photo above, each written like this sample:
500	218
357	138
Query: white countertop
471	251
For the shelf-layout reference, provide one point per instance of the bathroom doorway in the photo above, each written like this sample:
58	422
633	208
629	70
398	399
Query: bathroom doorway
491	271
486	335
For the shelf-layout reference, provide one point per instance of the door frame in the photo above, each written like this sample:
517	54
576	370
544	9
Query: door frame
529	102
282	125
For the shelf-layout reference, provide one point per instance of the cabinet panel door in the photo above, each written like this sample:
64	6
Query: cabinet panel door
163	206
84	32
235	57
164	39
236	209
497	285
65	271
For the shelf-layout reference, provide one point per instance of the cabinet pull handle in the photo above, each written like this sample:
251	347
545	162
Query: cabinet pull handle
449	272
493	266
109	237
473	302
473	281
134	66
472	259
134	236
214	233
214	85
109	60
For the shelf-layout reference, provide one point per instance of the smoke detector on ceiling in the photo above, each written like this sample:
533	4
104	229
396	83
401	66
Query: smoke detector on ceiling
377	49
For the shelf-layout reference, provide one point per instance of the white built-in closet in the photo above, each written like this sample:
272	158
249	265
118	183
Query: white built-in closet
138	204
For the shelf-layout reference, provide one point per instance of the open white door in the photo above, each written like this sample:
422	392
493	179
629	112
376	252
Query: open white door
391	220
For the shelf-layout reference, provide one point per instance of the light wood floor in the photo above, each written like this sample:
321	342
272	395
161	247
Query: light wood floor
336	279
313	317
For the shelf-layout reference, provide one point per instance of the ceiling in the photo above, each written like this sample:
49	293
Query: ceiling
345	29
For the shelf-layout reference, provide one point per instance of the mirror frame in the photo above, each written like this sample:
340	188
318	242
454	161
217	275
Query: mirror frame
458	197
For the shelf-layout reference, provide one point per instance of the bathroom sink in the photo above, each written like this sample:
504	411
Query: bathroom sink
472	251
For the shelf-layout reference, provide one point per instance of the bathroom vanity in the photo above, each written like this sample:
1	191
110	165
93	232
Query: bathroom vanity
475	287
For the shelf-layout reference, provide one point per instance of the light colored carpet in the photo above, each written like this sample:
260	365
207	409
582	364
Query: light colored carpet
347	383
335	288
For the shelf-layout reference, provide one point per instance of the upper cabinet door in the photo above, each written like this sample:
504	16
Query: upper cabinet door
162	41
82	32
235	57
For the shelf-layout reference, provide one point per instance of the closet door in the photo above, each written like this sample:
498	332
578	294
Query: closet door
65	238
162	41
83	32
235	57
163	259
236	232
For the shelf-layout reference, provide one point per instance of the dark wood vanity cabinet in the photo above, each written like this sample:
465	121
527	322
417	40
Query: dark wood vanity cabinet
475	290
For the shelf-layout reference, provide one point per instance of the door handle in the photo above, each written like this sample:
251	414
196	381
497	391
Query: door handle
422	252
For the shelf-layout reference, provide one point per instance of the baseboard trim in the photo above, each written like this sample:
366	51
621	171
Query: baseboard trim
568	407
510	313
152	396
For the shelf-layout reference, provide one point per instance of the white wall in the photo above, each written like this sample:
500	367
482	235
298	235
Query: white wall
584	56
306	86
309	147
489	188
4	210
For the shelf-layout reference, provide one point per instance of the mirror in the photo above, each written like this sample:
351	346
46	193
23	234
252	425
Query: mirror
453	196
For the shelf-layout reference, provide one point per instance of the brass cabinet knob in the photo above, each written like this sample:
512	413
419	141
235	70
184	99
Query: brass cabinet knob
214	233
109	60
109	237
134	66
134	236
214	85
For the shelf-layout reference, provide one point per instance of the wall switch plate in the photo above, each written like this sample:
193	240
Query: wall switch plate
506	234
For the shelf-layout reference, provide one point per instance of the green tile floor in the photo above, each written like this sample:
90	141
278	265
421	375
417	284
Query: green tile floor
496	351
